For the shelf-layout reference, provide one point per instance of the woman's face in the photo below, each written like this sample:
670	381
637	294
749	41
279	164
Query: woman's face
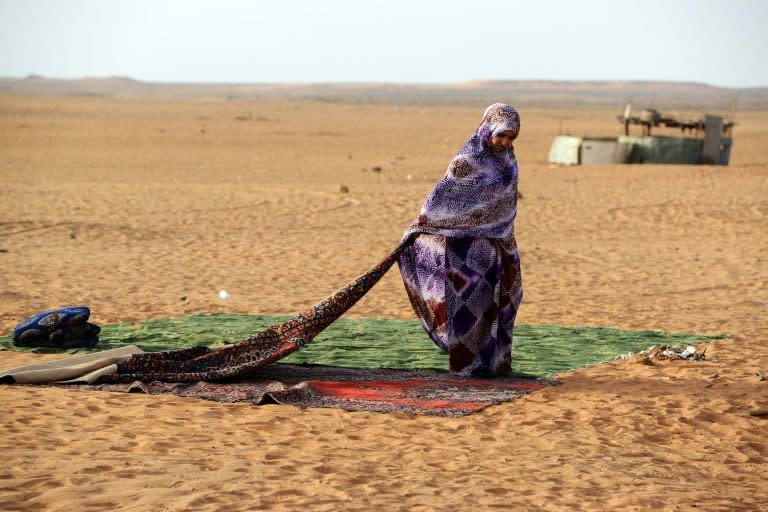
502	141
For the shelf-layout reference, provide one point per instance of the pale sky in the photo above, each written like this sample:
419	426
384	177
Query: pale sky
719	42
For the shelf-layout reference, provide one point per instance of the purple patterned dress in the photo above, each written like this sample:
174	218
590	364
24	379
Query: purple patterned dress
462	269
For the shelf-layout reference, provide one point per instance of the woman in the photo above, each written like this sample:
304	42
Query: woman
462	271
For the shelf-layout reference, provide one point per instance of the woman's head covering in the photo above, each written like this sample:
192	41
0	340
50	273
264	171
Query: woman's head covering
500	118
477	197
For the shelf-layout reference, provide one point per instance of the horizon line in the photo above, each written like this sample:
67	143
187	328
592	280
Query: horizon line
33	76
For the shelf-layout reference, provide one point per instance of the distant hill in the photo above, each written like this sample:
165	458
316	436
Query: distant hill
532	93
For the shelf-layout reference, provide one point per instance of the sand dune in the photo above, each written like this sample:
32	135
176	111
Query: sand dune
144	209
533	93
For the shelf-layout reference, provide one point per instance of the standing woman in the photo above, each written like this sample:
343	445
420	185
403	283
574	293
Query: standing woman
462	271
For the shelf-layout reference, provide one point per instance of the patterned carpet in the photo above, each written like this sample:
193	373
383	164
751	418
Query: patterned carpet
351	389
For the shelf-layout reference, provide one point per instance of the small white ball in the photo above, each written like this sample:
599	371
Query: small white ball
224	294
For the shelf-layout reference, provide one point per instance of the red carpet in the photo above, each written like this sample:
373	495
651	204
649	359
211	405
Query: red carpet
351	389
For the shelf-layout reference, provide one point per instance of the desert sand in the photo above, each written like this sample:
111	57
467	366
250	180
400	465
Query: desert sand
146	209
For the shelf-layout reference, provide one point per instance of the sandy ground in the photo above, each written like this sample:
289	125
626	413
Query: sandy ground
145	209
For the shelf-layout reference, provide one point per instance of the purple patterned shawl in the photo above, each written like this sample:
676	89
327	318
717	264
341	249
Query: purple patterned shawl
462	271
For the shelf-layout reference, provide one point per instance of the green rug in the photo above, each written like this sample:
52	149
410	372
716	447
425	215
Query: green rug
539	350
